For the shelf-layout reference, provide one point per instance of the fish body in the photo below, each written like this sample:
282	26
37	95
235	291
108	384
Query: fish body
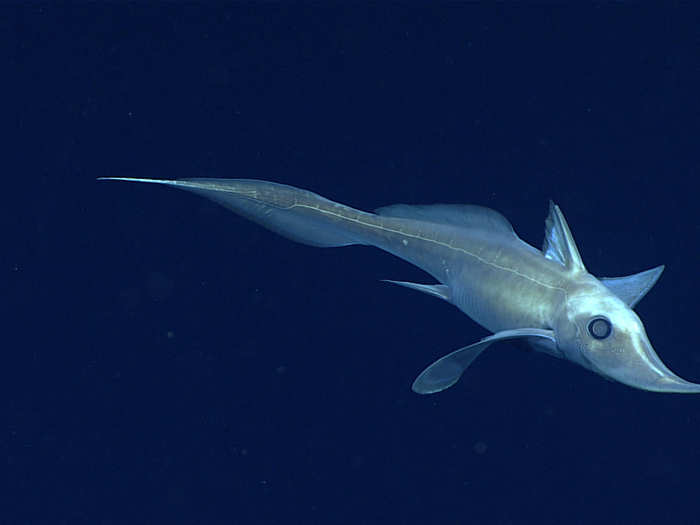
545	297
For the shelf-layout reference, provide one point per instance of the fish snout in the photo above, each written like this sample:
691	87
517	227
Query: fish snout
636	364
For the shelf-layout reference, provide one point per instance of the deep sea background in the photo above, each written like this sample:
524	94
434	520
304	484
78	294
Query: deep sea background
165	361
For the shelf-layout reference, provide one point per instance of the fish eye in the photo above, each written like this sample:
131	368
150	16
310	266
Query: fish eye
599	328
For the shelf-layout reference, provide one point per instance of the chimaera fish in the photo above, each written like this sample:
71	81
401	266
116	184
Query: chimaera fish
546	298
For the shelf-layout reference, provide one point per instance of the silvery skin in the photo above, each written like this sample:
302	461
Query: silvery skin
545	297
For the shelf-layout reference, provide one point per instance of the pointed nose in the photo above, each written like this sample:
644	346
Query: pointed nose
642	368
674	384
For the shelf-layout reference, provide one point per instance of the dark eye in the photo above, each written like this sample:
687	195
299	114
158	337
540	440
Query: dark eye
599	327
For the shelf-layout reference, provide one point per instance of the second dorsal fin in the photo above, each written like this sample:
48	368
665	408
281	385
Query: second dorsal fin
461	215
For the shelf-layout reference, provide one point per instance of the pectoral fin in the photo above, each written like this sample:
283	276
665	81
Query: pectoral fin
632	288
447	370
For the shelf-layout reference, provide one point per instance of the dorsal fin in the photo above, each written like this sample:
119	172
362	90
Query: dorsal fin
461	215
559	244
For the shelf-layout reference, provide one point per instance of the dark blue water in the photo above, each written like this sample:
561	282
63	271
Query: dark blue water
168	362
